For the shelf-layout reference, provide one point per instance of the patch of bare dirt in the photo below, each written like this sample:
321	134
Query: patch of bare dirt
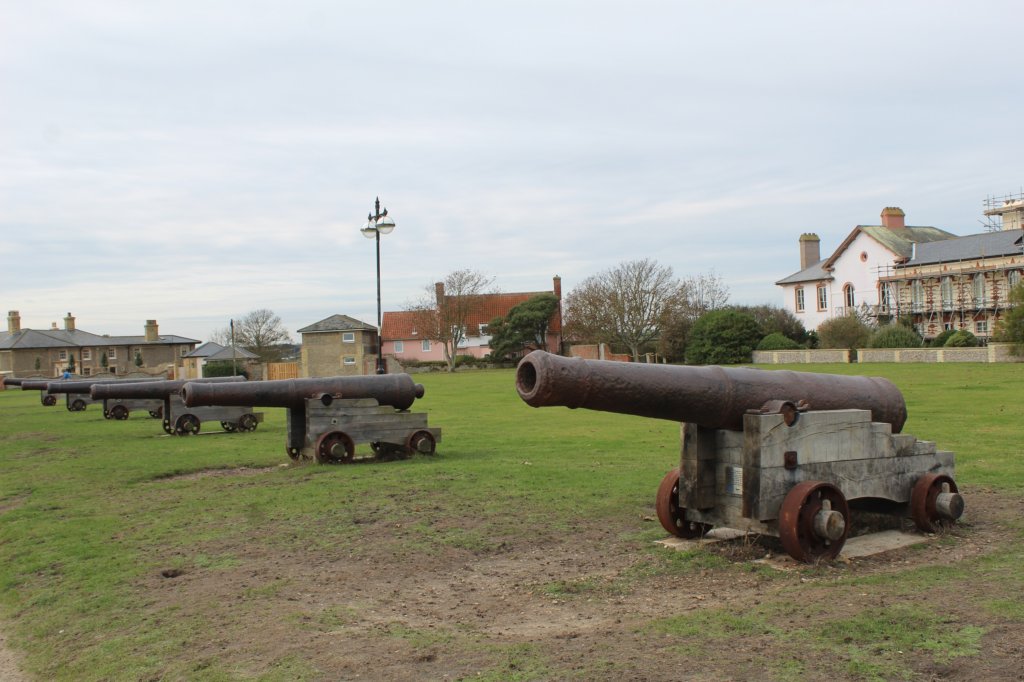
580	606
216	473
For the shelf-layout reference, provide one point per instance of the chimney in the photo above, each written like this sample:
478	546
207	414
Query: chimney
810	250
13	322
893	217
53	326
439	293
152	331
557	283
69	323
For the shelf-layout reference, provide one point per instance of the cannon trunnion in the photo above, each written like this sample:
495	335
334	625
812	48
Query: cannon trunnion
780	453
328	417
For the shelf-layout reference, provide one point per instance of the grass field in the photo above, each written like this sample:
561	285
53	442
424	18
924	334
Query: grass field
523	550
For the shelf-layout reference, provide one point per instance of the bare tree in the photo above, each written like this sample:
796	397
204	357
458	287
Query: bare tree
698	294
259	331
445	307
624	305
705	292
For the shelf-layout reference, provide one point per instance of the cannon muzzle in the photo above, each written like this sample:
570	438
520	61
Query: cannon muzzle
396	390
12	381
713	397
159	390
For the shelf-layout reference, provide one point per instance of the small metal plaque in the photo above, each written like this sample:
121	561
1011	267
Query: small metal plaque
734	481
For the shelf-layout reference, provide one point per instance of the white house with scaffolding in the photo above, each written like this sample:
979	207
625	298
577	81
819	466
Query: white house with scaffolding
848	279
961	282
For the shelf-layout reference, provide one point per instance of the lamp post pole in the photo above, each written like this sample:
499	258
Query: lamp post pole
378	223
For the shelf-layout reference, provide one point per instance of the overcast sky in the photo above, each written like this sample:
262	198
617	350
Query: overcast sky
190	161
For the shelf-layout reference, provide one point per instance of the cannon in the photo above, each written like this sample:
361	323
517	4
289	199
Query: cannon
39	385
328	417
780	453
13	381
77	392
163	397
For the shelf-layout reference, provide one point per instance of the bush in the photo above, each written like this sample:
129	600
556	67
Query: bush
895	336
961	339
223	368
940	340
848	331
722	337
778	341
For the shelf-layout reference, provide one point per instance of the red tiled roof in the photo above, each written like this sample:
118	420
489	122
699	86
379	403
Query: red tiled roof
400	325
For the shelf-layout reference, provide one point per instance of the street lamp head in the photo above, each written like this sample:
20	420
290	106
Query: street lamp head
368	230
385	224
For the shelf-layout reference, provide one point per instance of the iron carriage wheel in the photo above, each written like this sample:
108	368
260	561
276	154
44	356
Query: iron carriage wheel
186	425
670	514
334	447
814	521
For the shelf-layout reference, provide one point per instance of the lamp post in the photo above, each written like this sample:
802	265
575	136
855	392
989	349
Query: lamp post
378	223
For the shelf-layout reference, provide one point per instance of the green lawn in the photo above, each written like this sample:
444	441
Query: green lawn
91	510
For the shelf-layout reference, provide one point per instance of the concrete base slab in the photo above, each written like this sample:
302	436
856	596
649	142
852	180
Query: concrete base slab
860	546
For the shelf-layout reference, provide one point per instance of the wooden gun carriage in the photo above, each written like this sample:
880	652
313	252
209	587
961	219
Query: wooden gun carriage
787	454
328	417
178	420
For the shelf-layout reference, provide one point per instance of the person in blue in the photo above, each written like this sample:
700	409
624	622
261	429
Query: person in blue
67	374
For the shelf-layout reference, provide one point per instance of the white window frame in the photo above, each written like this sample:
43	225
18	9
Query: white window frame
946	291
87	354
112	353
981	327
62	355
1013	278
348	360
425	345
978	288
348	337
822	296
801	305
917	295
399	347
848	296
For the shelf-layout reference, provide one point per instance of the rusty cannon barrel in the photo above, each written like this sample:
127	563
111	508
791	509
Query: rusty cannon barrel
150	389
713	397
84	386
396	390
34	384
12	381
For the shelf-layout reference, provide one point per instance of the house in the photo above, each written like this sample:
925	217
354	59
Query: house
961	282
338	345
404	340
214	352
850	277
32	352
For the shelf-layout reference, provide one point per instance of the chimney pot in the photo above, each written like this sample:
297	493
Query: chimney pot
69	323
13	321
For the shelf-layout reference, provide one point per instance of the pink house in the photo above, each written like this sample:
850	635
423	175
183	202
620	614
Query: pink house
403	340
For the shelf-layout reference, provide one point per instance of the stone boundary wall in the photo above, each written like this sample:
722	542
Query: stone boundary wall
780	357
994	352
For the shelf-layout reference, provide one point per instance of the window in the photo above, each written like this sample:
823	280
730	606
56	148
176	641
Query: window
1013	277
399	346
87	353
112	353
978	285
947	326
425	345
981	327
822	297
799	299
348	337
917	294
86	371
349	360
62	355
848	299
946	288
183	351
885	295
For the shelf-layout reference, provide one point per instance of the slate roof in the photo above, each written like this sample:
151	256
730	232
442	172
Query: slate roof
205	350
399	325
225	354
338	323
972	246
900	241
61	338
